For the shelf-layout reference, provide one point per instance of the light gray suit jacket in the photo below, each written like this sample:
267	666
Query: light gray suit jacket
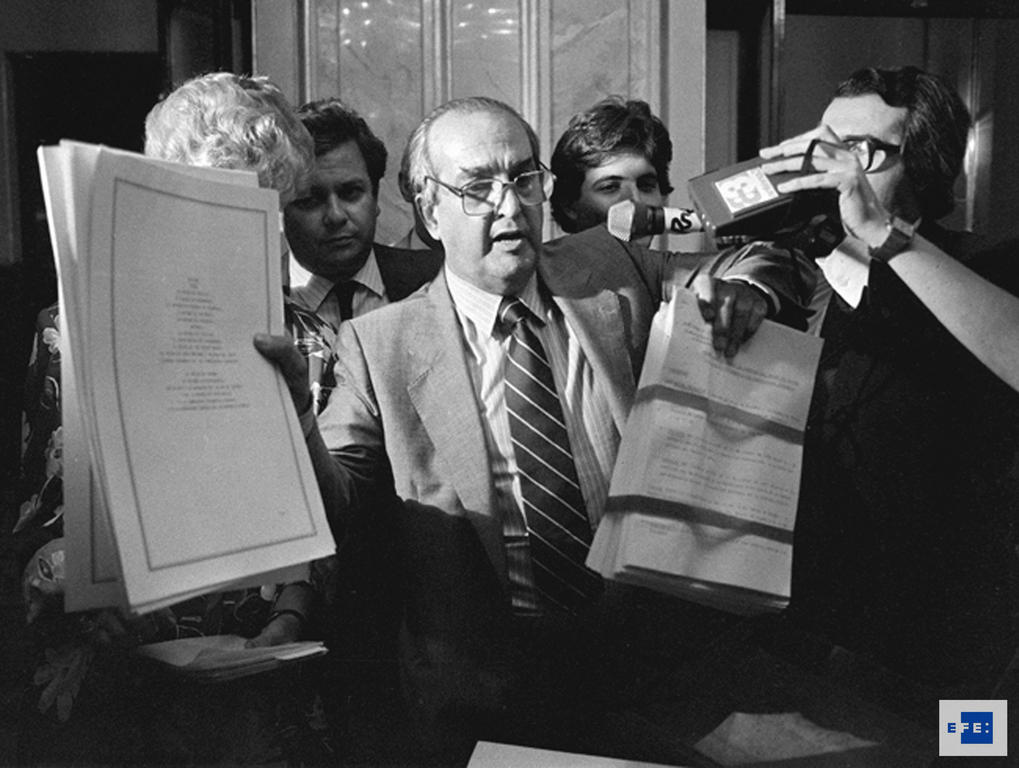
407	454
404	391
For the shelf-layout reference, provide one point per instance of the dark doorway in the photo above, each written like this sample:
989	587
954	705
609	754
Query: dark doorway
95	97
198	36
100	98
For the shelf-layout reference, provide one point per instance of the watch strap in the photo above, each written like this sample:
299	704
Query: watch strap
900	237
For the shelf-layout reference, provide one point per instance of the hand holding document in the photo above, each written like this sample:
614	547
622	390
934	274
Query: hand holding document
187	470
703	497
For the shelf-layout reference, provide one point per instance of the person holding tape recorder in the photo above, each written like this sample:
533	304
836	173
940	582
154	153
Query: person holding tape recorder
904	550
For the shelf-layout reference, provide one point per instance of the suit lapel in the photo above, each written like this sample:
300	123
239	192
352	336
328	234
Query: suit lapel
595	316
442	394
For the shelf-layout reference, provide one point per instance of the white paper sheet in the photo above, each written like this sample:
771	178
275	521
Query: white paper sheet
224	657
192	438
92	563
490	754
745	738
706	483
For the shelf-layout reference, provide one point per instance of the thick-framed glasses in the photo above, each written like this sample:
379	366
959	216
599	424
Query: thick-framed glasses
482	196
872	153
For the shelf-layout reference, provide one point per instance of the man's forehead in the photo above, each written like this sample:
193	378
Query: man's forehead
345	158
467	118
622	163
476	142
865	115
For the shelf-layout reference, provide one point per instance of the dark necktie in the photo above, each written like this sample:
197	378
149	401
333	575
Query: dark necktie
345	297
557	524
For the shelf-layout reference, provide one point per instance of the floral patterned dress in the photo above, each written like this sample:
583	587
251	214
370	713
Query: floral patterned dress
88	702
42	446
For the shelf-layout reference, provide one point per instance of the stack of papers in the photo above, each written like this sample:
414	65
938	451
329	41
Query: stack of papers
223	657
185	467
702	502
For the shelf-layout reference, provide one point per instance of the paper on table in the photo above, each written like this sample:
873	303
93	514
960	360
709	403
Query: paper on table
224	657
706	482
745	738
489	754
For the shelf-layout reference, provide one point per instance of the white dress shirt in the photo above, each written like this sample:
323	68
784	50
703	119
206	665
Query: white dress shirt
594	439
314	293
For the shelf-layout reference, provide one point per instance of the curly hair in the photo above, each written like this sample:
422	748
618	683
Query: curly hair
934	131
419	164
232	121
332	123
611	126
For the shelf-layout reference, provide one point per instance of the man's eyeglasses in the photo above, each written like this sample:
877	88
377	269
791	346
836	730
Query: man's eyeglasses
872	153
482	196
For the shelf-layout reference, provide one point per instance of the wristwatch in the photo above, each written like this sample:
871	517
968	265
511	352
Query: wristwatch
900	237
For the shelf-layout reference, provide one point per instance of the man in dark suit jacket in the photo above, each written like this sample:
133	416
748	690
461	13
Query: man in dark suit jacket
338	271
904	548
420	423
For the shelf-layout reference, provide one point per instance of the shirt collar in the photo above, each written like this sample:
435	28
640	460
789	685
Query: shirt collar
847	274
482	307
317	288
370	277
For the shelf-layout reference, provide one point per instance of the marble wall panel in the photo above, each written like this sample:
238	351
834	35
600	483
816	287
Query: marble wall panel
590	55
645	50
369	53
395	59
486	50
325	37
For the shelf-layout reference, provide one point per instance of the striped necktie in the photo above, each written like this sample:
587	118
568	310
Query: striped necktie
558	528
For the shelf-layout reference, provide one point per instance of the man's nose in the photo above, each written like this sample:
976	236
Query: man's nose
635	194
335	213
509	201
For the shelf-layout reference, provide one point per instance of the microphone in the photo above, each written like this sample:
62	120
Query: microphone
628	220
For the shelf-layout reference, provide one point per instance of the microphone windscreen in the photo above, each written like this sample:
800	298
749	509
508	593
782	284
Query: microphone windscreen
628	220
621	219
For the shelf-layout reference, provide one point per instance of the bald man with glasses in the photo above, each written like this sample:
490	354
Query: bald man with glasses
484	412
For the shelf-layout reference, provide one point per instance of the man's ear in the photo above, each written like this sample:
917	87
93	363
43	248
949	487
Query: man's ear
569	213
425	205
